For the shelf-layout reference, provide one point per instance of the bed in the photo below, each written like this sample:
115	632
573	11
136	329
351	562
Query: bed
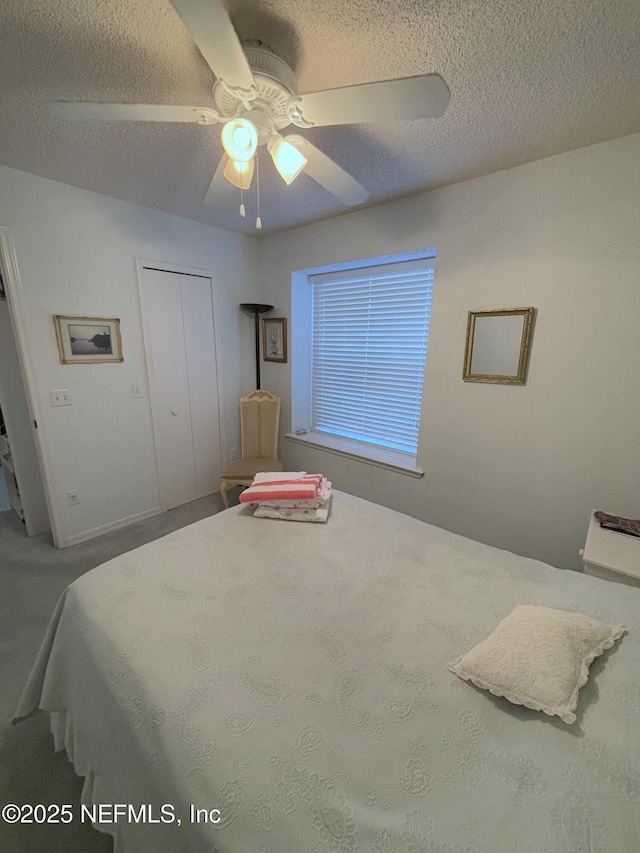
290	680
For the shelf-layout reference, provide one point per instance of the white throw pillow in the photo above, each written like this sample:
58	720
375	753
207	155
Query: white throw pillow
538	657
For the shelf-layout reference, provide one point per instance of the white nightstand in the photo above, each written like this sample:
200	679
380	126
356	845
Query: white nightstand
612	556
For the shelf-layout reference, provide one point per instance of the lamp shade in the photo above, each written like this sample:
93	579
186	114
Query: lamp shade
287	159
239	173
240	139
255	307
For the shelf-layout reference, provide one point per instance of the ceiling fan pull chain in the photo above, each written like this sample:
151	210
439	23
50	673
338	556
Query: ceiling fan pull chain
242	210
258	220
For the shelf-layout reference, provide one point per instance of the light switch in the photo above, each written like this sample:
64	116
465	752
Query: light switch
61	397
136	390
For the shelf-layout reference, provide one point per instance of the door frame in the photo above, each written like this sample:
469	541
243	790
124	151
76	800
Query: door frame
20	326
181	269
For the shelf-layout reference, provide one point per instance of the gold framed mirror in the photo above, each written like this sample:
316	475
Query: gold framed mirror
498	344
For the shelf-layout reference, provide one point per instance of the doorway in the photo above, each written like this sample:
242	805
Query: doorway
178	325
22	493
5	500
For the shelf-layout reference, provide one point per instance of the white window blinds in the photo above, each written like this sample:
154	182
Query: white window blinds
370	328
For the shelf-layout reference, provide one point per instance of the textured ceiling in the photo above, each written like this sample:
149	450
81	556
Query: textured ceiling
527	80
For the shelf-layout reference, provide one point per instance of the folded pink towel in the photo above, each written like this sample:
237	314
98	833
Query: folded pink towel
315	503
304	488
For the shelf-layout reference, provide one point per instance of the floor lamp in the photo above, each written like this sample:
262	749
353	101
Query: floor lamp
257	310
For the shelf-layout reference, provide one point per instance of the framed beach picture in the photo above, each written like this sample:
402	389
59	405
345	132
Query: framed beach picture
274	339
85	340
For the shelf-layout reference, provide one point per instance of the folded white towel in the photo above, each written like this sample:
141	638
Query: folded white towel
313	515
273	476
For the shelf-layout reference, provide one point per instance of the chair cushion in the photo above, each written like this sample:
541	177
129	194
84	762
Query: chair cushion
250	466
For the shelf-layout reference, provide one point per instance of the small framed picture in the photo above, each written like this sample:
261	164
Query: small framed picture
85	340
274	339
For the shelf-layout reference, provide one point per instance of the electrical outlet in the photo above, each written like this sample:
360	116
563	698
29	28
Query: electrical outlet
72	497
61	397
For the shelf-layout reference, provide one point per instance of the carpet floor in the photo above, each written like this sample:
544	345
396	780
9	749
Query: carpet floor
33	574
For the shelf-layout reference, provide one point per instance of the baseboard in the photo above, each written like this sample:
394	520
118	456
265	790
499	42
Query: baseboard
114	525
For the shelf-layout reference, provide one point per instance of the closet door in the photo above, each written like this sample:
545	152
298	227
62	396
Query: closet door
200	353
177	315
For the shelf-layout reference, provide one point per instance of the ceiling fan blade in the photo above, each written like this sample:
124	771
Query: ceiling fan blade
133	112
219	187
426	96
328	174
211	29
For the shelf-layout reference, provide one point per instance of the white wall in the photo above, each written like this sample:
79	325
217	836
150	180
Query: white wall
516	467
76	254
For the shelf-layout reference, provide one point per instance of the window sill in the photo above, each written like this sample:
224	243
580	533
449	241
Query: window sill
381	458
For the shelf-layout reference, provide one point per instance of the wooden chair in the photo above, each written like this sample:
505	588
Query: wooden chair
259	424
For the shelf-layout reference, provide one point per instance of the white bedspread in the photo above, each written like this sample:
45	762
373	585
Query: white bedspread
294	677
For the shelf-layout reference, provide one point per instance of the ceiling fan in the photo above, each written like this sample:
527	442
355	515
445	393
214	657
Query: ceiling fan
256	97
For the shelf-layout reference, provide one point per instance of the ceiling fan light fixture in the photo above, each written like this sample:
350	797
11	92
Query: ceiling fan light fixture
240	139
287	159
256	97
239	173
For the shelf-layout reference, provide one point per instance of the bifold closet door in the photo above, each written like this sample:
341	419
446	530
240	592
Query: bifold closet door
177	314
200	349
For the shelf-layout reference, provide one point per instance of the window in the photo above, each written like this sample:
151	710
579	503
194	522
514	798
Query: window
367	351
